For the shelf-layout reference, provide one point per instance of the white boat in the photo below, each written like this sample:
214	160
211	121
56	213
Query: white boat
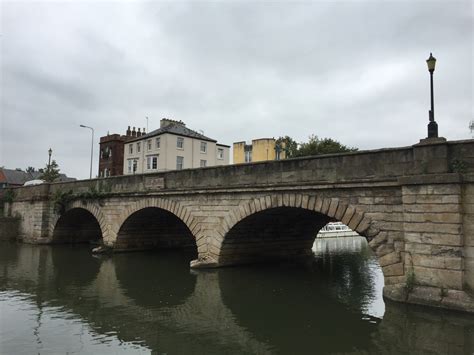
336	230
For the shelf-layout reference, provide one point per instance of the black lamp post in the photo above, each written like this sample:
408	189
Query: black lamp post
50	151
432	125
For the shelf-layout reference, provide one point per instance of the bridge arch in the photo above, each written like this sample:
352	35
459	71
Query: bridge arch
155	223
81	222
333	208
304	214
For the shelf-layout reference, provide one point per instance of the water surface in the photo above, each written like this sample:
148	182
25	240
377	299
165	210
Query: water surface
61	299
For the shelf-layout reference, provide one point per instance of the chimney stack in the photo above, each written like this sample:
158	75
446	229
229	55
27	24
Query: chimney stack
139	134
129	132
164	122
134	133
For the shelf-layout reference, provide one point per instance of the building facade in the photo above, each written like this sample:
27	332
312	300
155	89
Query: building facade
172	147
259	150
111	151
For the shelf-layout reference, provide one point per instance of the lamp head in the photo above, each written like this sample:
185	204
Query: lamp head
82	126
431	61
50	151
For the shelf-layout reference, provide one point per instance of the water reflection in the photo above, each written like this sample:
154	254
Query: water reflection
68	301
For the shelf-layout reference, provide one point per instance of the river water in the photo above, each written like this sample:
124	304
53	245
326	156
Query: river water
63	300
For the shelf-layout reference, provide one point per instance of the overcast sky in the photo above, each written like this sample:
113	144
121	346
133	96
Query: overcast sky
354	71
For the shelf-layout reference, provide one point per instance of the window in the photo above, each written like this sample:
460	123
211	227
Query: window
106	153
130	149
106	172
179	162
157	143
148	144
203	163
180	142
220	153
138	147
132	166
152	162
248	156
203	147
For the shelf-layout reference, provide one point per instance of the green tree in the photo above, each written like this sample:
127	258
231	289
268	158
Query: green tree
316	146
50	172
288	145
30	169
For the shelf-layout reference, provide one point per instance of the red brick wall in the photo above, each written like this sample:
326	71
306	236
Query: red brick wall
113	164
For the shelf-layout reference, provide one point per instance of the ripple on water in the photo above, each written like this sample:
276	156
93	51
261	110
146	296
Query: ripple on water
52	330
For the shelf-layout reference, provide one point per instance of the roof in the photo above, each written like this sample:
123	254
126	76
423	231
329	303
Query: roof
16	177
176	129
19	177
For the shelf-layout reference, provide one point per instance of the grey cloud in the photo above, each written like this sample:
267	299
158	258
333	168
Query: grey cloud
238	70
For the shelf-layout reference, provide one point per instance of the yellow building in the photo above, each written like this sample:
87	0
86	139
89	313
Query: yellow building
260	150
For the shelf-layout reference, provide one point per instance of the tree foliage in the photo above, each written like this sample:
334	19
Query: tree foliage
288	145
317	146
30	169
50	172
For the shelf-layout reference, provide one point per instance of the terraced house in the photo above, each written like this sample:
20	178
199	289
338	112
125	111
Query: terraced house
172	147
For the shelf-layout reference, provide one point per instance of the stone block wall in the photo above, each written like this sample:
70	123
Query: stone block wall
9	227
435	233
34	219
468	234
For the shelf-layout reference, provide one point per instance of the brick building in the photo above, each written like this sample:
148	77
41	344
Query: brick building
111	151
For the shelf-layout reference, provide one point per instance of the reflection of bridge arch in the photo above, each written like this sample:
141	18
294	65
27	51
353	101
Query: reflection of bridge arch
81	222
297	298
168	278
285	225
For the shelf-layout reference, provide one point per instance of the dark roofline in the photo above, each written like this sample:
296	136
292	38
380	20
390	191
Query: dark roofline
223	145
151	135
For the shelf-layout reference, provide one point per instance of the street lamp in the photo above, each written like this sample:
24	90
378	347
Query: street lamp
50	151
432	125
92	147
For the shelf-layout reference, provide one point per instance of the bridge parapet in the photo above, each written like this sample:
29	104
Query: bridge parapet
374	165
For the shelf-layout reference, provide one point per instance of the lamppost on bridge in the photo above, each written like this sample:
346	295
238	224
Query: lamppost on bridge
432	125
50	151
92	147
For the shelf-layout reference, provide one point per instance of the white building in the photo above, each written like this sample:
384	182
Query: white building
172	147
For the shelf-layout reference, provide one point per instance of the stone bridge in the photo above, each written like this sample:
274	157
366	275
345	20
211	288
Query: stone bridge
414	204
